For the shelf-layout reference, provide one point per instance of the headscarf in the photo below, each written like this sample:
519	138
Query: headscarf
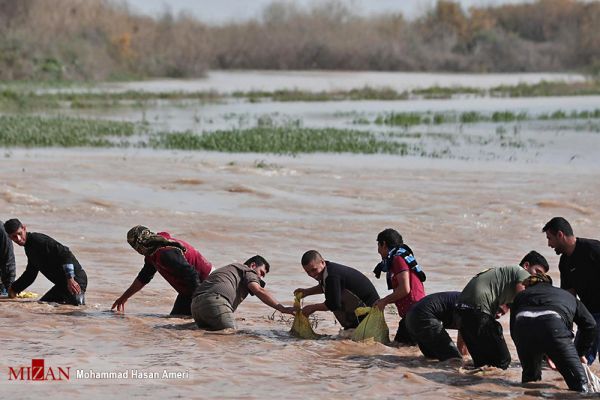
540	277
147	242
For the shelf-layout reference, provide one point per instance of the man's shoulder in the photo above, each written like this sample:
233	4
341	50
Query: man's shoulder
232	266
506	270
167	253
399	263
592	245
34	238
336	269
507	273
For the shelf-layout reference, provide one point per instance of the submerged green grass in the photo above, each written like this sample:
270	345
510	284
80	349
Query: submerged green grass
35	131
281	140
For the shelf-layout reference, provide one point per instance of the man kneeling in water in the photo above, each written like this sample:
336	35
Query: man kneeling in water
216	299
53	260
427	321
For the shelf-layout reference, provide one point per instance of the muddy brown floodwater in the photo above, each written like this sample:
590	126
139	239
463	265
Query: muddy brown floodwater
458	216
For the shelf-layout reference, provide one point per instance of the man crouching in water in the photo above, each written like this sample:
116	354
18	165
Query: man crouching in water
216	299
53	260
345	289
177	261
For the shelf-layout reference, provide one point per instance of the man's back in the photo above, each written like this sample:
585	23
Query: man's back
489	289
231	282
438	306
338	277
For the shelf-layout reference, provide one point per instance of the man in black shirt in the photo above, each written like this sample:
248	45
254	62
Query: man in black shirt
579	268
53	260
541	322
7	262
345	289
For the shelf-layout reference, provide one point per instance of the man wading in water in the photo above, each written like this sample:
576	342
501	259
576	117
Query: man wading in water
217	298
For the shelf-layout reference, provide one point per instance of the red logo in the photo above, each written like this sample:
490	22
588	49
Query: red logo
39	372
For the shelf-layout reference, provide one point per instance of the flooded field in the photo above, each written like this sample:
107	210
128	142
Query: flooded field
474	195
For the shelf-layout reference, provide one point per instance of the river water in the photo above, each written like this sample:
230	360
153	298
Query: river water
232	81
459	214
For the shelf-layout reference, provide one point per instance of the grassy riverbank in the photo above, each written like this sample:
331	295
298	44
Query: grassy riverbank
24	97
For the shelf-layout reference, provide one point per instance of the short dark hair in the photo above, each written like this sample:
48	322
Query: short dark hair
535	258
557	224
390	237
259	261
310	256
12	225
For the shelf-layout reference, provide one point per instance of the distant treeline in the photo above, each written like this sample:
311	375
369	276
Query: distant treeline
99	40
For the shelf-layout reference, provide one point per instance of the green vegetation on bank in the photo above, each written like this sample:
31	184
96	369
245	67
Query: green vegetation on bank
406	119
24	97
14	99
284	95
545	89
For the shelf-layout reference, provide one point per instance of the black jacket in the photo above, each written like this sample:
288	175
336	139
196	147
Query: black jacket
340	278
581	271
47	256
7	259
544	296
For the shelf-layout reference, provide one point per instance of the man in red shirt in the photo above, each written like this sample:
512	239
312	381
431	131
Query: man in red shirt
404	276
177	261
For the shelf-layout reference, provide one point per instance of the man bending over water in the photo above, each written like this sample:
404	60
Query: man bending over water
177	261
53	260
217	298
345	289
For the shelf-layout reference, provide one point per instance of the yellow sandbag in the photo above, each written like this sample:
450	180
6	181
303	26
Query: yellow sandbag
27	295
301	327
372	326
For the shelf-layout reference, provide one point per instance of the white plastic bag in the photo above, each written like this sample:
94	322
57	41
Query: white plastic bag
593	380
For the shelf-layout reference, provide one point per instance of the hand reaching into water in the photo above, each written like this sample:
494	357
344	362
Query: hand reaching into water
73	286
119	304
286	310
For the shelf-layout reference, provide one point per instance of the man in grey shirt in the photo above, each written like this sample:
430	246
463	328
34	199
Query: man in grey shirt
221	293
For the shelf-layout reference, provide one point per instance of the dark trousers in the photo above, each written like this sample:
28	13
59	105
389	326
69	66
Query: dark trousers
484	339
62	296
346	316
402	334
182	305
548	334
432	338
